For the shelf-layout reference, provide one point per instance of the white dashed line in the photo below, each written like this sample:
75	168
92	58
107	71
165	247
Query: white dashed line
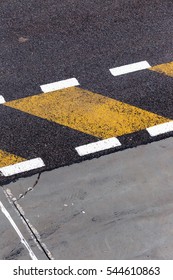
125	69
160	128
22	167
98	146
23	240
2	100
60	85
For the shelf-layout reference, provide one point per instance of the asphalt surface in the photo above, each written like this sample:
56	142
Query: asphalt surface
47	41
119	206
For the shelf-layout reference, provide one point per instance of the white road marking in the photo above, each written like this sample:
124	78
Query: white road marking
98	146
23	240
23	166
60	85
2	100
160	128
129	68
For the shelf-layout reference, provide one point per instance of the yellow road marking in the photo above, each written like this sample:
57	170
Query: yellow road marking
166	68
8	159
88	112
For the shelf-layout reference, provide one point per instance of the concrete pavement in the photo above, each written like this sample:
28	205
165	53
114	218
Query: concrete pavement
15	238
119	206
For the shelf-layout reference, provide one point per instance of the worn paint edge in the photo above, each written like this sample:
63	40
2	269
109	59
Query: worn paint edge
59	85
98	146
2	100
160	128
129	68
23	166
23	240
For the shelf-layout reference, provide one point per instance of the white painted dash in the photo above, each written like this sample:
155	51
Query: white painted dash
98	146
60	85
2	100
22	167
23	240
130	68
160	128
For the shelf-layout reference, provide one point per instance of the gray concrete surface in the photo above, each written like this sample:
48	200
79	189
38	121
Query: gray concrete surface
119	206
11	247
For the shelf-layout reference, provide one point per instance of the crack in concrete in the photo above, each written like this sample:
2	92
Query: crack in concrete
33	232
29	189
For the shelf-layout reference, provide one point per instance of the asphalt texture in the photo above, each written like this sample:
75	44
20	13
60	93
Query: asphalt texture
47	41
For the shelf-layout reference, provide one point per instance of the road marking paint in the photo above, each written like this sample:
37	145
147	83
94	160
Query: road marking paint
22	167
23	240
2	100
60	85
32	230
88	112
125	69
98	146
166	68
8	159
160	128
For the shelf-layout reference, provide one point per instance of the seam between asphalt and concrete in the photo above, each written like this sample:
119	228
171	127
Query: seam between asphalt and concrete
153	189
161	126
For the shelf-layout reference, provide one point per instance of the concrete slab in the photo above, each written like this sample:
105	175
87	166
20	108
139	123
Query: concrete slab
119	206
11	247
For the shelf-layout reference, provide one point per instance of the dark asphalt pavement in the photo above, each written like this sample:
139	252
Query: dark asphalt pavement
47	41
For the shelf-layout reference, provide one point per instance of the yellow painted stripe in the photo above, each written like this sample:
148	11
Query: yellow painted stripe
166	69
88	112
7	159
